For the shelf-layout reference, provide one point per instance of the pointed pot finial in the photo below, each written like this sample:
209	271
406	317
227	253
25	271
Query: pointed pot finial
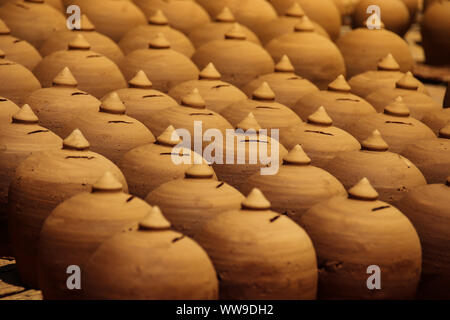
388	63
210	73
407	82
295	11
199	171
2	54
264	92
375	142
249	123
363	190
304	25
76	141
256	201
169	137
107	183
339	85
236	33
86	24
79	43
4	30
112	104
154	221
297	156
25	116
140	81
158	18
284	65
193	100
225	16
159	42
320	117
397	108
445	131
65	78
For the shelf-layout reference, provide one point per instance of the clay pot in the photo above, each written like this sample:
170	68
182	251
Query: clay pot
276	252
343	107
307	50
149	166
16	81
139	37
268	113
385	77
437	119
285	24
251	13
95	73
113	18
110	131
58	106
396	125
431	156
435	29
287	86
141	101
18	50
217	94
406	87
427	208
250	151
40	183
394	13
164	66
324	12
99	42
363	49
215	30
188	203
7	109
192	109
297	186
184	15
319	138
238	60
32	20
368	228
66	238
391	174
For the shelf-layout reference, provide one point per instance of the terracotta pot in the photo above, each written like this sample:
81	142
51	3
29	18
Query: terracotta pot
58	106
324	12
427	208
178	267
363	49
77	227
297	186
391	174
140	37
385	77
435	29
238	60
190	202
287	86
437	119
164	66
149	166
95	73
7	109
367	228
113	18
251	151
394	13
407	87
217	94
396	125
268	113
141	100
32	20
319	138
307	50
286	24
343	107
18	50
40	183
431	156
110	131
276	252
16	81
184	15
215	30
99	42
251	13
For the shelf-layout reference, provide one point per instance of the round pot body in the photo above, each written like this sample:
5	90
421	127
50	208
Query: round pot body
436	120
435	30
57	4
19	51
7	109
